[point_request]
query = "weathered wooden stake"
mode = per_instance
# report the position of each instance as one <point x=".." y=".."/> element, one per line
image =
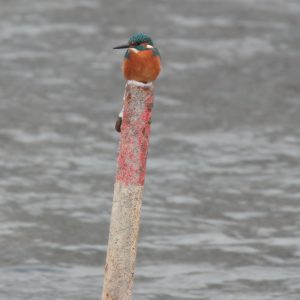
<point x="128" y="192"/>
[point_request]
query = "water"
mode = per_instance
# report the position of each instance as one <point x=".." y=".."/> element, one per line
<point x="221" y="207"/>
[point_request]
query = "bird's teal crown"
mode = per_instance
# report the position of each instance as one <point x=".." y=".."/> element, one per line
<point x="139" y="38"/>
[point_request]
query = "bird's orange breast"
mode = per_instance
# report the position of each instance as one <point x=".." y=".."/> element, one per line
<point x="141" y="66"/>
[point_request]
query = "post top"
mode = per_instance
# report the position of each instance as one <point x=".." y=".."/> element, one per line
<point x="138" y="83"/>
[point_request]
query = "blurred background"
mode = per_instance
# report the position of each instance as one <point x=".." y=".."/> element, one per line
<point x="220" y="217"/>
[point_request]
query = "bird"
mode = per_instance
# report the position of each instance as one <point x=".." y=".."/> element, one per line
<point x="141" y="63"/>
<point x="142" y="59"/>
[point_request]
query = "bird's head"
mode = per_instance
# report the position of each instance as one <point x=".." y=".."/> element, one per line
<point x="138" y="41"/>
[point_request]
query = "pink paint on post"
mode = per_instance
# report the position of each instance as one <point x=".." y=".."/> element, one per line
<point x="133" y="148"/>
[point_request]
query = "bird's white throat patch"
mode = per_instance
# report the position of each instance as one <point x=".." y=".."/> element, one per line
<point x="134" y="50"/>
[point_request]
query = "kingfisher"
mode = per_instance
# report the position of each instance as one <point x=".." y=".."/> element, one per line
<point x="141" y="62"/>
<point x="142" y="59"/>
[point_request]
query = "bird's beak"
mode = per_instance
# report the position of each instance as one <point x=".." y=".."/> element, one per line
<point x="121" y="47"/>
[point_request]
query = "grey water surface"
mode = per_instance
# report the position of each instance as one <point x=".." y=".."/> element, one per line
<point x="220" y="218"/>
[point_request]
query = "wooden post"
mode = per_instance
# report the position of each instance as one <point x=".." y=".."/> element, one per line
<point x="128" y="192"/>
